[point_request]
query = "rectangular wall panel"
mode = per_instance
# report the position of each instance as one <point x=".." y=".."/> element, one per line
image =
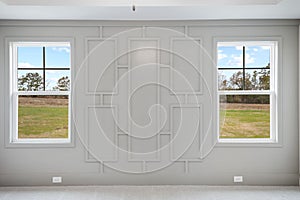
<point x="101" y="66"/>
<point x="186" y="58"/>
<point x="101" y="138"/>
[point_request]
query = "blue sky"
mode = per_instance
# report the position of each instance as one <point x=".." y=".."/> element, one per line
<point x="56" y="57"/>
<point x="59" y="57"/>
<point x="232" y="57"/>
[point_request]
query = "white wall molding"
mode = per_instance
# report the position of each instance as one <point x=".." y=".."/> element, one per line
<point x="137" y="23"/>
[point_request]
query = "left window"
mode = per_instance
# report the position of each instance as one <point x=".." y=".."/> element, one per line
<point x="40" y="92"/>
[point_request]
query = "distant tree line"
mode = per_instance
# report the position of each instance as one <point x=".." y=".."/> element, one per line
<point x="258" y="80"/>
<point x="34" y="82"/>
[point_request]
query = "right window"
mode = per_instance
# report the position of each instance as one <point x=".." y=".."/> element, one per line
<point x="247" y="91"/>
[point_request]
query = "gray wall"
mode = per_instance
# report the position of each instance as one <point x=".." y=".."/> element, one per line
<point x="204" y="161"/>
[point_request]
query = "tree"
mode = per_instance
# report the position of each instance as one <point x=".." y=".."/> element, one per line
<point x="237" y="82"/>
<point x="254" y="81"/>
<point x="63" y="84"/>
<point x="30" y="82"/>
<point x="264" y="78"/>
<point x="223" y="82"/>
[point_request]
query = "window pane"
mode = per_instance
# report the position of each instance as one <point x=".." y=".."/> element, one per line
<point x="30" y="57"/>
<point x="30" y="80"/>
<point x="43" y="117"/>
<point x="257" y="56"/>
<point x="230" y="57"/>
<point x="244" y="116"/>
<point x="58" y="80"/>
<point x="230" y="79"/>
<point x="58" y="57"/>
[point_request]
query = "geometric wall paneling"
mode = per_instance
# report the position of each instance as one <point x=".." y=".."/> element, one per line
<point x="107" y="99"/>
<point x="186" y="130"/>
<point x="164" y="154"/>
<point x="122" y="163"/>
<point x="144" y="149"/>
<point x="127" y="167"/>
<point x="121" y="99"/>
<point x="144" y="87"/>
<point x="164" y="34"/>
<point x="122" y="34"/>
<point x="143" y="51"/>
<point x="165" y="76"/>
<point x="101" y="140"/>
<point x="143" y="116"/>
<point x="166" y="100"/>
<point x="186" y="76"/>
<point x="101" y="65"/>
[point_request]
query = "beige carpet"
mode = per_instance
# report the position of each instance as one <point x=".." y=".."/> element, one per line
<point x="150" y="192"/>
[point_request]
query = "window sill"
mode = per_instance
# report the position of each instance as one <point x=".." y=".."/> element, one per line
<point x="41" y="143"/>
<point x="255" y="142"/>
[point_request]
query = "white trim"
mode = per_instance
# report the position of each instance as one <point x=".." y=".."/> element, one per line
<point x="246" y="140"/>
<point x="43" y="93"/>
<point x="245" y="92"/>
<point x="14" y="141"/>
<point x="41" y="141"/>
<point x="246" y="43"/>
<point x="273" y="43"/>
<point x="41" y="44"/>
<point x="108" y="23"/>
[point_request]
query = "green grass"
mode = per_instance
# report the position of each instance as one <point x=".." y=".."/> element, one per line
<point x="250" y="123"/>
<point x="51" y="120"/>
<point x="43" y="122"/>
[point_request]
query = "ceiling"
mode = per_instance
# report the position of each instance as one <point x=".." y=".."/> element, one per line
<point x="149" y="9"/>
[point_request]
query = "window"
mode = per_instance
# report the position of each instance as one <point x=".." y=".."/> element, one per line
<point x="40" y="91"/>
<point x="247" y="91"/>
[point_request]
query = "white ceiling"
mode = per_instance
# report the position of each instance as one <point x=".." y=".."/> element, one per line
<point x="149" y="9"/>
<point x="138" y="2"/>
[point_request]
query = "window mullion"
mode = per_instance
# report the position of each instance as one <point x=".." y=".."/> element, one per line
<point x="244" y="71"/>
<point x="44" y="68"/>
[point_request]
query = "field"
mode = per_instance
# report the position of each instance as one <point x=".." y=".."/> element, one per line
<point x="245" y="120"/>
<point x="48" y="118"/>
<point x="43" y="117"/>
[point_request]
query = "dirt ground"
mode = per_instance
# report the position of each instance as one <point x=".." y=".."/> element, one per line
<point x="240" y="106"/>
<point x="43" y="101"/>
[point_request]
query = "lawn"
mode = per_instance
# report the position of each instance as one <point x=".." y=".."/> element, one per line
<point x="43" y="120"/>
<point x="48" y="118"/>
<point x="245" y="121"/>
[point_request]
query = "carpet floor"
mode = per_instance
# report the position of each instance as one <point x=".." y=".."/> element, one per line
<point x="150" y="192"/>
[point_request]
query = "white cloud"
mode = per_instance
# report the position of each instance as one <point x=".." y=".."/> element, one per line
<point x="26" y="65"/>
<point x="249" y="59"/>
<point x="265" y="47"/>
<point x="55" y="72"/>
<point x="238" y="60"/>
<point x="52" y="80"/>
<point x="221" y="55"/>
<point x="240" y="48"/>
<point x="255" y="49"/>
<point x="61" y="49"/>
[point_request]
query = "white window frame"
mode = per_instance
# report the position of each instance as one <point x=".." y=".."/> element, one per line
<point x="274" y="57"/>
<point x="14" y="93"/>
